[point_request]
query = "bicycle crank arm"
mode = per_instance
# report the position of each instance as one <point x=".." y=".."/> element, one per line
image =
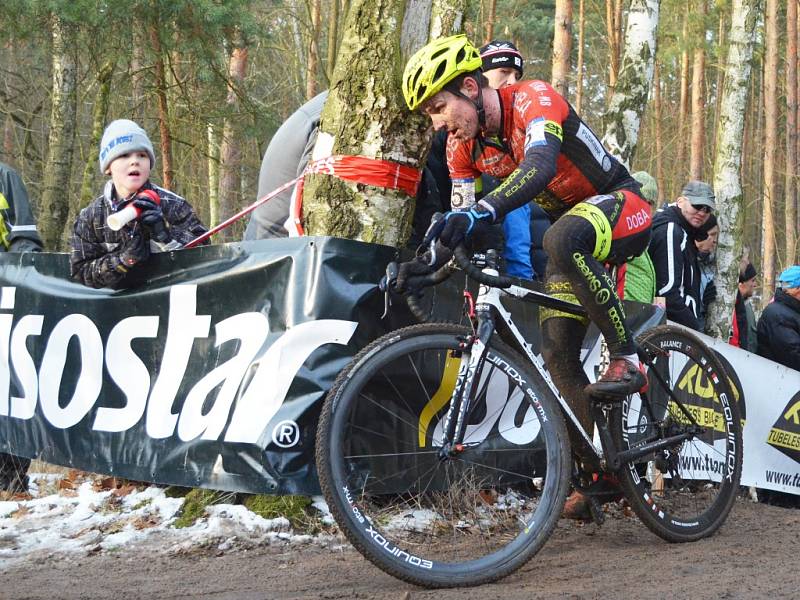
<point x="617" y="459"/>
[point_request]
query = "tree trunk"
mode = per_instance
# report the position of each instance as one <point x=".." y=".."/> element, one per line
<point x="99" y="114"/>
<point x="447" y="17"/>
<point x="727" y="163"/>
<point x="313" y="54"/>
<point x="624" y="114"/>
<point x="579" y="69"/>
<point x="137" y="76"/>
<point x="365" y="116"/>
<point x="659" y="133"/>
<point x="163" y="108"/>
<point x="770" y="141"/>
<point x="213" y="173"/>
<point x="562" y="47"/>
<point x="230" y="180"/>
<point x="721" y="41"/>
<point x="791" y="133"/>
<point x="333" y="39"/>
<point x="613" y="34"/>
<point x="58" y="164"/>
<point x="491" y="15"/>
<point x="683" y="111"/>
<point x="416" y="26"/>
<point x="697" y="146"/>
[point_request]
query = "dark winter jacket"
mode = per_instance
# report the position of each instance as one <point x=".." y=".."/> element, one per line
<point x="95" y="258"/>
<point x="779" y="331"/>
<point x="17" y="226"/>
<point x="674" y="255"/>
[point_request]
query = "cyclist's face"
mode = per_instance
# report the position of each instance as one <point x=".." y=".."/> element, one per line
<point x="500" y="78"/>
<point x="454" y="114"/>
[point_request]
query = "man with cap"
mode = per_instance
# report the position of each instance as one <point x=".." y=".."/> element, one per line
<point x="743" y="334"/>
<point x="672" y="249"/>
<point x="102" y="256"/>
<point x="502" y="63"/>
<point x="779" y="325"/>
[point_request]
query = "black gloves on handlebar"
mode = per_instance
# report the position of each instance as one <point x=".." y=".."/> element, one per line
<point x="457" y="227"/>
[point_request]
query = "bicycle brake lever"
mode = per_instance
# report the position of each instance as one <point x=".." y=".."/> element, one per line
<point x="387" y="283"/>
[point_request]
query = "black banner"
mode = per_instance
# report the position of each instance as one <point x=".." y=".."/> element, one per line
<point x="209" y="373"/>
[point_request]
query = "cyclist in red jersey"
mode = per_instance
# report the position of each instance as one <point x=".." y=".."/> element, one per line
<point x="531" y="137"/>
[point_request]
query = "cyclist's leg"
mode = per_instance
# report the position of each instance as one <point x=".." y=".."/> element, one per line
<point x="611" y="228"/>
<point x="562" y="335"/>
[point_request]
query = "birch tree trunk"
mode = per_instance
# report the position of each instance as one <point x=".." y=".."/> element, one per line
<point x="626" y="107"/>
<point x="727" y="163"/>
<point x="365" y="116"/>
<point x="447" y="17"/>
<point x="213" y="173"/>
<point x="698" y="137"/>
<point x="58" y="163"/>
<point x="791" y="132"/>
<point x="770" y="141"/>
<point x="562" y="47"/>
<point x="333" y="38"/>
<point x="230" y="180"/>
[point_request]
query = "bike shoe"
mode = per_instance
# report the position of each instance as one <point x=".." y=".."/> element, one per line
<point x="622" y="378"/>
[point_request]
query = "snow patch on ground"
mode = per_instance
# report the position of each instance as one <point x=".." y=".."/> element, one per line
<point x="88" y="521"/>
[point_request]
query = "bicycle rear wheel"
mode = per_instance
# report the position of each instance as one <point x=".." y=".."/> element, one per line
<point x="461" y="520"/>
<point x="683" y="493"/>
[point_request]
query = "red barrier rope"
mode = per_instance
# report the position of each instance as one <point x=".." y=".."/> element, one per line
<point x="361" y="169"/>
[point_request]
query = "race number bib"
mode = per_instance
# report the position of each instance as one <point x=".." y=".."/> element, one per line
<point x="463" y="195"/>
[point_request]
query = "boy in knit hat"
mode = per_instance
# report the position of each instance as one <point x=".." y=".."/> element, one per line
<point x="101" y="256"/>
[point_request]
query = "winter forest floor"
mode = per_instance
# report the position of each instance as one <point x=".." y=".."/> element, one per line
<point x="80" y="537"/>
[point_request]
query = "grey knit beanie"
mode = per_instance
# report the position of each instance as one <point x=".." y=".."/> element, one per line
<point x="123" y="137"/>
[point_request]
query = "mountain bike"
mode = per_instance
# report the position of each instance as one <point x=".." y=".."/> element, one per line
<point x="443" y="452"/>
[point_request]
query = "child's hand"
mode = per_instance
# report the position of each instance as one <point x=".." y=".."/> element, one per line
<point x="151" y="216"/>
<point x="134" y="251"/>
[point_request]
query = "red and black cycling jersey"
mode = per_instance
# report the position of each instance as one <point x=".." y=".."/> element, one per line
<point x="548" y="154"/>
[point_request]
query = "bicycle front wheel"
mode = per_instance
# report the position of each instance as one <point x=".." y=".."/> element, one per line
<point x="466" y="518"/>
<point x="685" y="492"/>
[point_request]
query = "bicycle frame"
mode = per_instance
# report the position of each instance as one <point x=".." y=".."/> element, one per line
<point x="488" y="308"/>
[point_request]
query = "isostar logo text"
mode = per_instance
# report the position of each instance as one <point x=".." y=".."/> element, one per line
<point x="239" y="395"/>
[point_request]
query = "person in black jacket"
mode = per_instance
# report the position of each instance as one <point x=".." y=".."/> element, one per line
<point x="101" y="256"/>
<point x="779" y="325"/>
<point x="674" y="253"/>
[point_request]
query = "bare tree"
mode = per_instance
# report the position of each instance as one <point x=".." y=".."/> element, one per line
<point x="58" y="164"/>
<point x="770" y="142"/>
<point x="683" y="108"/>
<point x="791" y="132"/>
<point x="491" y="15"/>
<point x="658" y="132"/>
<point x="164" y="129"/>
<point x="698" y="137"/>
<point x="614" y="35"/>
<point x="581" y="41"/>
<point x="231" y="151"/>
<point x="562" y="47"/>
<point x="727" y="162"/>
<point x="313" y="53"/>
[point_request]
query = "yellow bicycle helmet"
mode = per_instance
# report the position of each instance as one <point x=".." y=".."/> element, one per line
<point x="435" y="65"/>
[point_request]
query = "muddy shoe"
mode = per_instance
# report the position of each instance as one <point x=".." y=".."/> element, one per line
<point x="622" y="378"/>
<point x="577" y="507"/>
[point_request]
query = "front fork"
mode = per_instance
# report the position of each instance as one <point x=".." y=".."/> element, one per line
<point x="473" y="356"/>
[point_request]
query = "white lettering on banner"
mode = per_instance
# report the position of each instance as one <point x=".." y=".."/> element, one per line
<point x="5" y="374"/>
<point x="258" y="400"/>
<point x="183" y="326"/>
<point x="24" y="367"/>
<point x="251" y="330"/>
<point x="128" y="371"/>
<point x="90" y="381"/>
<point x="276" y="370"/>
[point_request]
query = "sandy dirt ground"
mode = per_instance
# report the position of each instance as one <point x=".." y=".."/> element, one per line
<point x="754" y="555"/>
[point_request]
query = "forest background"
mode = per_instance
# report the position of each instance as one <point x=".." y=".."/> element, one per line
<point x="211" y="80"/>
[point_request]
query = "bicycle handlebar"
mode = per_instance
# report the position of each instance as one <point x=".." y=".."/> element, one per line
<point x="463" y="260"/>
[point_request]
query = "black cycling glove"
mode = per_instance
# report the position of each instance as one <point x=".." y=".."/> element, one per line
<point x="134" y="251"/>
